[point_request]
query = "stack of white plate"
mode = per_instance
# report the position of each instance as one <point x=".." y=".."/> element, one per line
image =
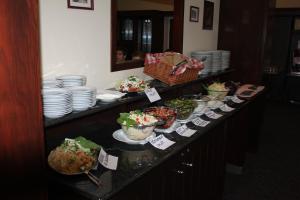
<point x="83" y="97"/>
<point x="216" y="61"/>
<point x="225" y="59"/>
<point x="57" y="102"/>
<point x="51" y="83"/>
<point x="72" y="80"/>
<point x="200" y="55"/>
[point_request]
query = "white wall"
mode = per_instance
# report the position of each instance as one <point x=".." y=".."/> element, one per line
<point x="194" y="37"/>
<point x="77" y="41"/>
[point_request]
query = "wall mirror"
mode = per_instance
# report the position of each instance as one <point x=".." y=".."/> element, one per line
<point x="144" y="26"/>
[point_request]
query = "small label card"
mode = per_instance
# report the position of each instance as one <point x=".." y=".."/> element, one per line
<point x="200" y="122"/>
<point x="185" y="131"/>
<point x="235" y="99"/>
<point x="226" y="108"/>
<point x="161" y="142"/>
<point x="211" y="114"/>
<point x="152" y="94"/>
<point x="108" y="161"/>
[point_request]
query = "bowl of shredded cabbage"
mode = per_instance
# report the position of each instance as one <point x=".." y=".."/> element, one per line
<point x="217" y="91"/>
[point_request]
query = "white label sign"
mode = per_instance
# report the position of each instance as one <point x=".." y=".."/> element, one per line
<point x="226" y="108"/>
<point x="185" y="131"/>
<point x="108" y="161"/>
<point x="152" y="94"/>
<point x="200" y="122"/>
<point x="181" y="129"/>
<point x="161" y="142"/>
<point x="211" y="114"/>
<point x="235" y="99"/>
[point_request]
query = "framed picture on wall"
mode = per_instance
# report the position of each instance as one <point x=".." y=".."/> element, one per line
<point x="81" y="4"/>
<point x="208" y="15"/>
<point x="194" y="14"/>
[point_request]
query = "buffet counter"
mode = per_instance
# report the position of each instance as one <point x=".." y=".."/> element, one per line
<point x="192" y="168"/>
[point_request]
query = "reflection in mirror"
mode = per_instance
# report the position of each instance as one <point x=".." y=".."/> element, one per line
<point x="143" y="26"/>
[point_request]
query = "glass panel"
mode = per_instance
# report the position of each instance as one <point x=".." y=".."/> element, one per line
<point x="147" y="35"/>
<point x="127" y="29"/>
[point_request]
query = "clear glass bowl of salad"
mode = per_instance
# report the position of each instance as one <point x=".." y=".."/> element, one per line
<point x="137" y="125"/>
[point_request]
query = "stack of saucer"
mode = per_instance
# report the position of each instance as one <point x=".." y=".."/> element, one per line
<point x="51" y="83"/>
<point x="72" y="80"/>
<point x="200" y="55"/>
<point x="83" y="97"/>
<point x="57" y="102"/>
<point x="216" y="61"/>
<point x="225" y="59"/>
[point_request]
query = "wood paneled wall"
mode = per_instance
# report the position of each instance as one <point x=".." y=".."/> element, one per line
<point x="21" y="126"/>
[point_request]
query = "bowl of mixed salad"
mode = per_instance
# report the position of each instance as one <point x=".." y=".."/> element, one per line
<point x="165" y="115"/>
<point x="184" y="107"/>
<point x="131" y="85"/>
<point x="137" y="125"/>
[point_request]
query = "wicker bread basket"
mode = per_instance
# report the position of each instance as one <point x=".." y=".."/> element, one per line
<point x="157" y="68"/>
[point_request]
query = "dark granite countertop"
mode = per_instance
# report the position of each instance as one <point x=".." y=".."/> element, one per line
<point x="134" y="160"/>
<point x="161" y="87"/>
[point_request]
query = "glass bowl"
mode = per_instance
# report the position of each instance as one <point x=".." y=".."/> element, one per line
<point x="138" y="132"/>
<point x="217" y="95"/>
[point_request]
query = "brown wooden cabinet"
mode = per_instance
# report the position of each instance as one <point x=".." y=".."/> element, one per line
<point x="242" y="30"/>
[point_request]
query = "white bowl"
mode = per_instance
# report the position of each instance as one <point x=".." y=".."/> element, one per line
<point x="107" y="97"/>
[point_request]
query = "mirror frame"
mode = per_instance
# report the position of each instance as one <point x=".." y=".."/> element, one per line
<point x="178" y="21"/>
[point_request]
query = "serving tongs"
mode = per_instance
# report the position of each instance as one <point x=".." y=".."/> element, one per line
<point x="93" y="178"/>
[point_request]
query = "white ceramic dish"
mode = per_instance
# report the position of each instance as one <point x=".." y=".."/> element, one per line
<point x="122" y="137"/>
<point x="107" y="97"/>
<point x="172" y="128"/>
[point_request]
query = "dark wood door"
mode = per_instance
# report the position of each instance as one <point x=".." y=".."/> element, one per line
<point x="21" y="127"/>
<point x="242" y="31"/>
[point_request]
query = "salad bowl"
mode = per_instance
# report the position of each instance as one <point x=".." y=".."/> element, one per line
<point x="137" y="125"/>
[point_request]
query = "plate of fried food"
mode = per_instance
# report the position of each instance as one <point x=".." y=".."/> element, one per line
<point x="75" y="156"/>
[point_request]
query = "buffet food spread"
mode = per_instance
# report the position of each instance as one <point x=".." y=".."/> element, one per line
<point x="139" y="127"/>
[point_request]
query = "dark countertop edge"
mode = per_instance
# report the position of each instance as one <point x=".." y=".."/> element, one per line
<point x="105" y="106"/>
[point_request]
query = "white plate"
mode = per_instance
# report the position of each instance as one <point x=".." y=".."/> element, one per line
<point x="53" y="115"/>
<point x="172" y="128"/>
<point x="121" y="136"/>
<point x="68" y="77"/>
<point x="200" y="110"/>
<point x="184" y="121"/>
